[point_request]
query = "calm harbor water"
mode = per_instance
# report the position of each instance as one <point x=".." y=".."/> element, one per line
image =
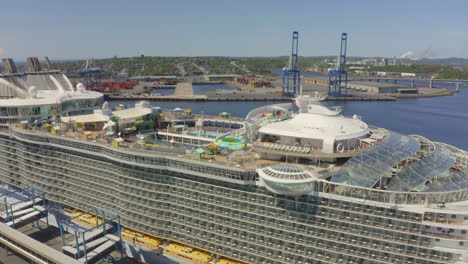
<point x="443" y="119"/>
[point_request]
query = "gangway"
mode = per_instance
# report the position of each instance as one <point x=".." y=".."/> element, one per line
<point x="95" y="243"/>
<point x="90" y="236"/>
<point x="19" y="209"/>
<point x="24" y="204"/>
<point x="102" y="251"/>
<point x="28" y="208"/>
<point x="36" y="214"/>
<point x="72" y="251"/>
<point x="17" y="213"/>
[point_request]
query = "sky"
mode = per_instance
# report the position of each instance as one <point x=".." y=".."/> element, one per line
<point x="104" y="28"/>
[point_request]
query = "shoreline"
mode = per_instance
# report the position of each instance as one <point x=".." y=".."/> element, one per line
<point x="264" y="97"/>
<point x="243" y="93"/>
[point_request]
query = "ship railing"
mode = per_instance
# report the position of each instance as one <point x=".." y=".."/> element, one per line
<point x="391" y="197"/>
<point x="303" y="149"/>
<point x="167" y="159"/>
<point x="329" y="238"/>
<point x="201" y="135"/>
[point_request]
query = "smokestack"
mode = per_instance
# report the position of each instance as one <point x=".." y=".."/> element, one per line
<point x="33" y="64"/>
<point x="9" y="65"/>
<point x="48" y="62"/>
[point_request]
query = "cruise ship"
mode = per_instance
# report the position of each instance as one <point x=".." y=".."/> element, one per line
<point x="289" y="183"/>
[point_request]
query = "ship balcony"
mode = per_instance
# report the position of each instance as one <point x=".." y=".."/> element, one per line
<point x="285" y="237"/>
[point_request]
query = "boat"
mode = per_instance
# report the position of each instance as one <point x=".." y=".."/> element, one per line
<point x="309" y="185"/>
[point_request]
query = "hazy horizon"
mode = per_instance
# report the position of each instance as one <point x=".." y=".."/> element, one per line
<point x="66" y="30"/>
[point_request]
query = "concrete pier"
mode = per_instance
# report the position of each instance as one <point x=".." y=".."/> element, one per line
<point x="183" y="89"/>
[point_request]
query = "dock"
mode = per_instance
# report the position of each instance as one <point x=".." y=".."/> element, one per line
<point x="183" y="89"/>
<point x="361" y="98"/>
<point x="184" y="92"/>
<point x="238" y="96"/>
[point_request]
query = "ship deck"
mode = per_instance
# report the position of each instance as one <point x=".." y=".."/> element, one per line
<point x="246" y="159"/>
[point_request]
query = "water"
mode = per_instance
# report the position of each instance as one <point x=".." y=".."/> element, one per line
<point x="443" y="119"/>
<point x="205" y="88"/>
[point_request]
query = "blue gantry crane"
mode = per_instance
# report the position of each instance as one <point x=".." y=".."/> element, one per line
<point x="92" y="75"/>
<point x="291" y="73"/>
<point x="338" y="77"/>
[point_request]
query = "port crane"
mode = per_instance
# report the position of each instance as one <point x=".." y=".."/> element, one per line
<point x="91" y="74"/>
<point x="291" y="72"/>
<point x="338" y="77"/>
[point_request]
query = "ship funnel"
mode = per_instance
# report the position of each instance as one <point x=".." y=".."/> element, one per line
<point x="34" y="65"/>
<point x="49" y="65"/>
<point x="9" y="65"/>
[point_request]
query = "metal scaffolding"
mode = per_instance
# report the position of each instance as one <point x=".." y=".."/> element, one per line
<point x="25" y="207"/>
<point x="96" y="242"/>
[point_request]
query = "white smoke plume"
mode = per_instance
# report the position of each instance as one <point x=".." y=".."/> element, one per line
<point x="417" y="54"/>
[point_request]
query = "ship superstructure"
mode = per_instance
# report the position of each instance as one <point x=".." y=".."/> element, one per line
<point x="290" y="183"/>
<point x="39" y="95"/>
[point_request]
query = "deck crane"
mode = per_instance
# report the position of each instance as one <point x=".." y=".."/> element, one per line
<point x="92" y="75"/>
<point x="338" y="77"/>
<point x="291" y="71"/>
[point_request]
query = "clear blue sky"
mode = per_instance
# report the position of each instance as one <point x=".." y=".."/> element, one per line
<point x="99" y="28"/>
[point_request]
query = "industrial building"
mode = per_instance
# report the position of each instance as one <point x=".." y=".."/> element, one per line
<point x="381" y="88"/>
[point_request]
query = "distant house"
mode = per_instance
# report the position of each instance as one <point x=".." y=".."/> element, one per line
<point x="388" y="74"/>
<point x="408" y="74"/>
